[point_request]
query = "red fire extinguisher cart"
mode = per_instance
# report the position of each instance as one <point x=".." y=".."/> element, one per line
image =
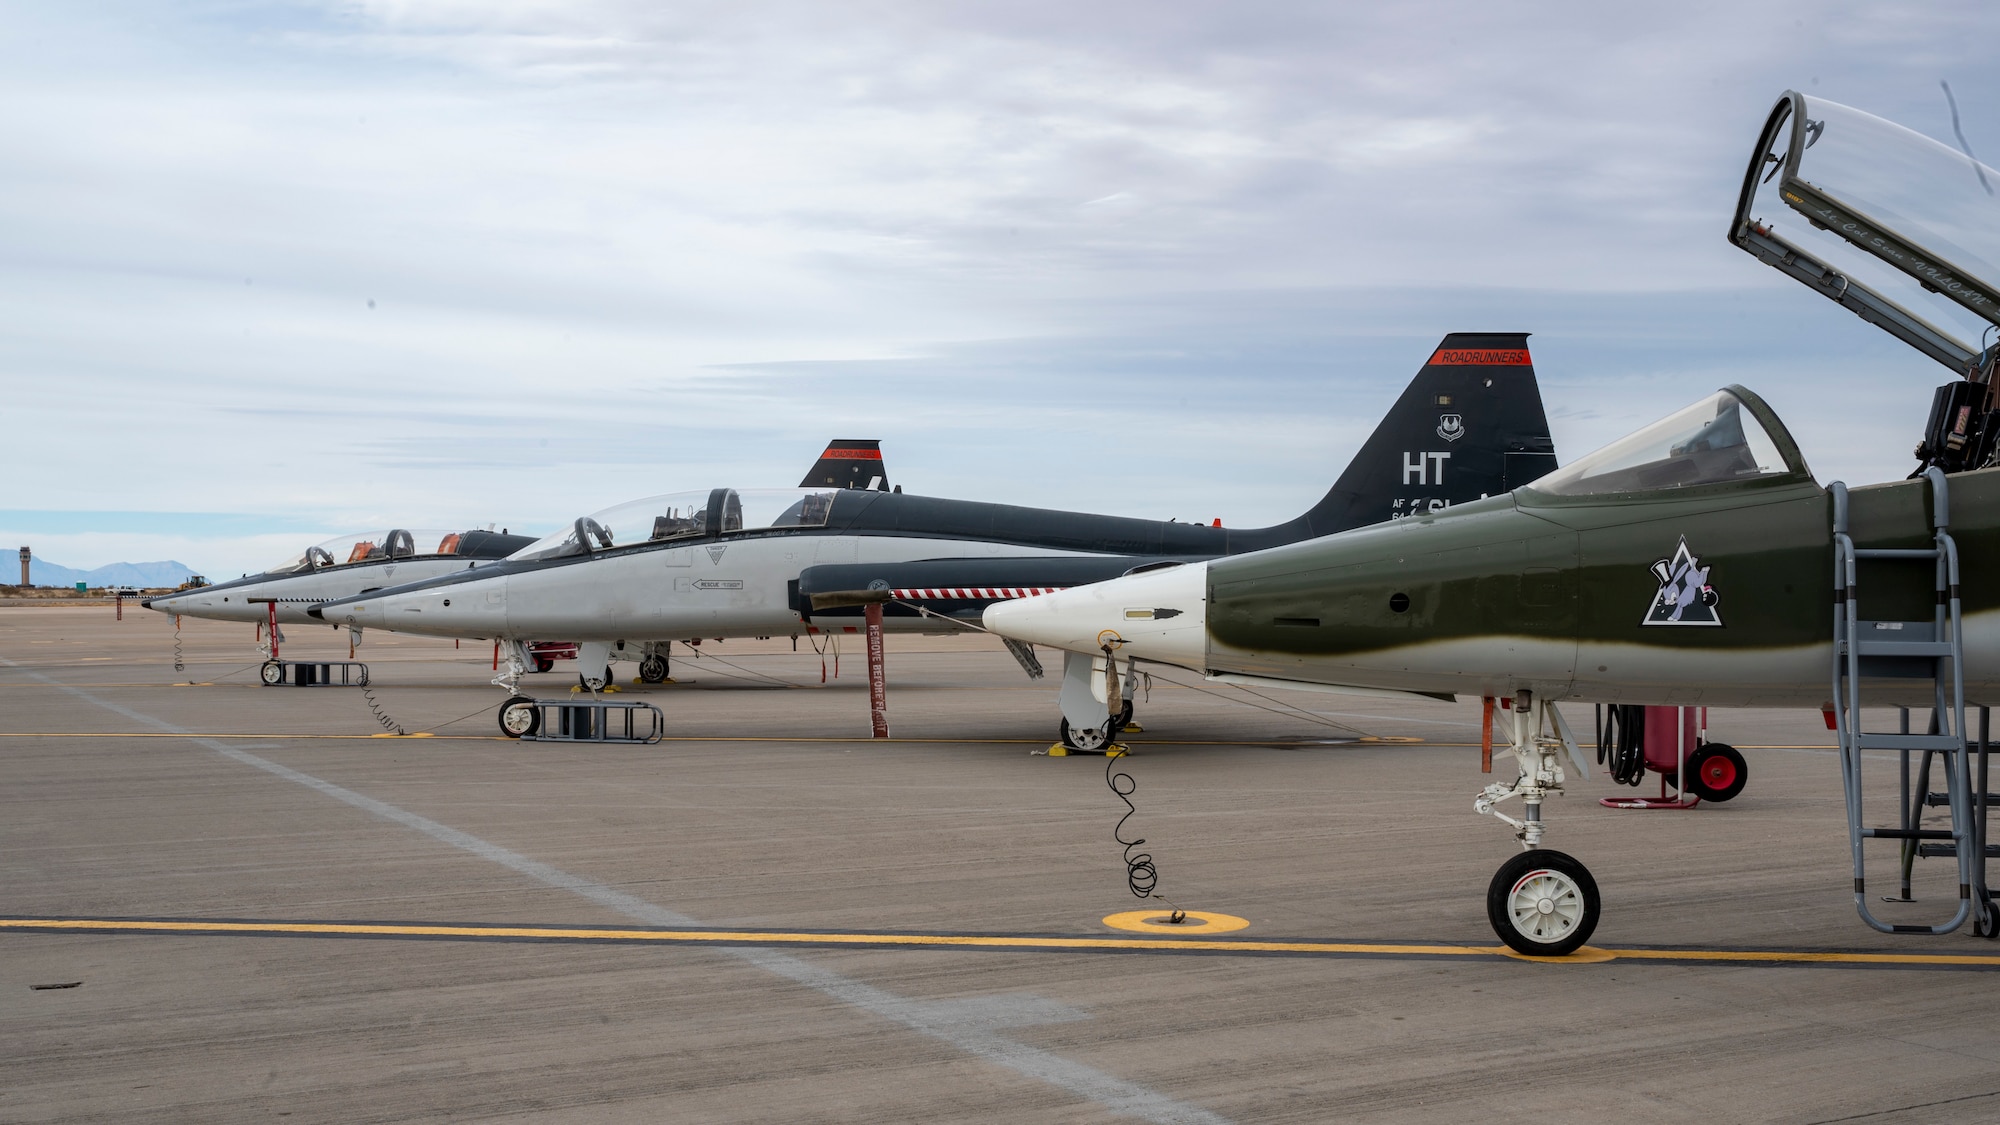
<point x="1673" y="743"/>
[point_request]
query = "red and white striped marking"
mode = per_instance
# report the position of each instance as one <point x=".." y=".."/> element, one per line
<point x="971" y="593"/>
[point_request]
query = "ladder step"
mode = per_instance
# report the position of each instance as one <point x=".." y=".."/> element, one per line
<point x="1950" y="851"/>
<point x="1906" y="833"/>
<point x="1908" y="741"/>
<point x="1903" y="648"/>
<point x="1943" y="800"/>
<point x="1895" y="552"/>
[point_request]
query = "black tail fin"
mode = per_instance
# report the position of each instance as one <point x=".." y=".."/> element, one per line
<point x="1469" y="425"/>
<point x="849" y="463"/>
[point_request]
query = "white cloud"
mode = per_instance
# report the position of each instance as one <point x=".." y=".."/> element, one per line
<point x="618" y="247"/>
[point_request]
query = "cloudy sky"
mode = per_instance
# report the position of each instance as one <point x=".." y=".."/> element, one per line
<point x="270" y="272"/>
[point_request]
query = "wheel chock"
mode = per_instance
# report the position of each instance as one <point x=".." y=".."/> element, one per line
<point x="1115" y="750"/>
<point x="1133" y="728"/>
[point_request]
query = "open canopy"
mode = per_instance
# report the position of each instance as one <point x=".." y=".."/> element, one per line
<point x="686" y="515"/>
<point x="1897" y="227"/>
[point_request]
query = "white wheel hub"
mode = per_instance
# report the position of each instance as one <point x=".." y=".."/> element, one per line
<point x="519" y="718"/>
<point x="1545" y="905"/>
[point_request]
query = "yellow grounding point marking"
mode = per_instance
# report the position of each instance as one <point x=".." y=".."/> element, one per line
<point x="1161" y="922"/>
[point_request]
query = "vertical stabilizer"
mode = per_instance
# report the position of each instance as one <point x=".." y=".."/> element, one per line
<point x="849" y="463"/>
<point x="1471" y="424"/>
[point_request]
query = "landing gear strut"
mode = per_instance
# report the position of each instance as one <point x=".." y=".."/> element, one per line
<point x="1541" y="903"/>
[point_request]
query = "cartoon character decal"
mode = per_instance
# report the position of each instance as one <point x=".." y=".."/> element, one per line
<point x="1684" y="597"/>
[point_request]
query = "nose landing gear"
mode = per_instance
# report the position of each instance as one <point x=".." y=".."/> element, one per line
<point x="1542" y="902"/>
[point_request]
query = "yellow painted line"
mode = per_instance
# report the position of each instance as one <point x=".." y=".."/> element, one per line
<point x="1590" y="955"/>
<point x="669" y="738"/>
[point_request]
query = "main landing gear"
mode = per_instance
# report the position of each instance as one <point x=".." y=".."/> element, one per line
<point x="1542" y="902"/>
<point x="653" y="669"/>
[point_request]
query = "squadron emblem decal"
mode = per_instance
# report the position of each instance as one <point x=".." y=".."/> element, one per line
<point x="1685" y="597"/>
<point x="1451" y="427"/>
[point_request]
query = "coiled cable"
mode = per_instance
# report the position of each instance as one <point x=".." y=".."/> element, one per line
<point x="179" y="664"/>
<point x="388" y="724"/>
<point x="1142" y="875"/>
<point x="1621" y="746"/>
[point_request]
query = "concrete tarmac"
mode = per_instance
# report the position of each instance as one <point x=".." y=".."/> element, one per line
<point x="469" y="894"/>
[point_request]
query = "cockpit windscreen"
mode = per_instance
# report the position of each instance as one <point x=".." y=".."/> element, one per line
<point x="1714" y="441"/>
<point x="371" y="546"/>
<point x="686" y="515"/>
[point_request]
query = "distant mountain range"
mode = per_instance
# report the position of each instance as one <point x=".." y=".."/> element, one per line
<point x="141" y="575"/>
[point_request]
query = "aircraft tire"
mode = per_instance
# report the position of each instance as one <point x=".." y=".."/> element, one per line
<point x="1085" y="740"/>
<point x="272" y="672"/>
<point x="519" y="717"/>
<point x="1716" y="772"/>
<point x="1543" y="903"/>
<point x="1125" y="715"/>
<point x="545" y="663"/>
<point x="653" y="670"/>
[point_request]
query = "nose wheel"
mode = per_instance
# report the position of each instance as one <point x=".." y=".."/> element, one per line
<point x="1093" y="739"/>
<point x="1543" y="903"/>
<point x="519" y="717"/>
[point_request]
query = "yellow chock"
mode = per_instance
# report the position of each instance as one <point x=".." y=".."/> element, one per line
<point x="1133" y="728"/>
<point x="1058" y="750"/>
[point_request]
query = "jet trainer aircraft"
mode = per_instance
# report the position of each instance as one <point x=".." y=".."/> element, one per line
<point x="724" y="562"/>
<point x="349" y="565"/>
<point x="339" y="568"/>
<point x="1694" y="561"/>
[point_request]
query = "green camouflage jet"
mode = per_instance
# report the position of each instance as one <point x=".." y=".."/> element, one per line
<point x="1696" y="561"/>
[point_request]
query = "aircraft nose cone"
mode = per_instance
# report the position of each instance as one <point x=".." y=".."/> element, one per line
<point x="1159" y="615"/>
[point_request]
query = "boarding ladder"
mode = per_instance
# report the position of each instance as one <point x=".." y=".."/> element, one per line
<point x="1906" y="650"/>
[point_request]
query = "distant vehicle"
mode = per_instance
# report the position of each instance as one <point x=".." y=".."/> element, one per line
<point x="194" y="582"/>
<point x="121" y="592"/>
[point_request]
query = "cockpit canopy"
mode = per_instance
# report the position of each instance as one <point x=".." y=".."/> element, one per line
<point x="1900" y="228"/>
<point x="1718" y="440"/>
<point x="375" y="546"/>
<point x="686" y="515"/>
